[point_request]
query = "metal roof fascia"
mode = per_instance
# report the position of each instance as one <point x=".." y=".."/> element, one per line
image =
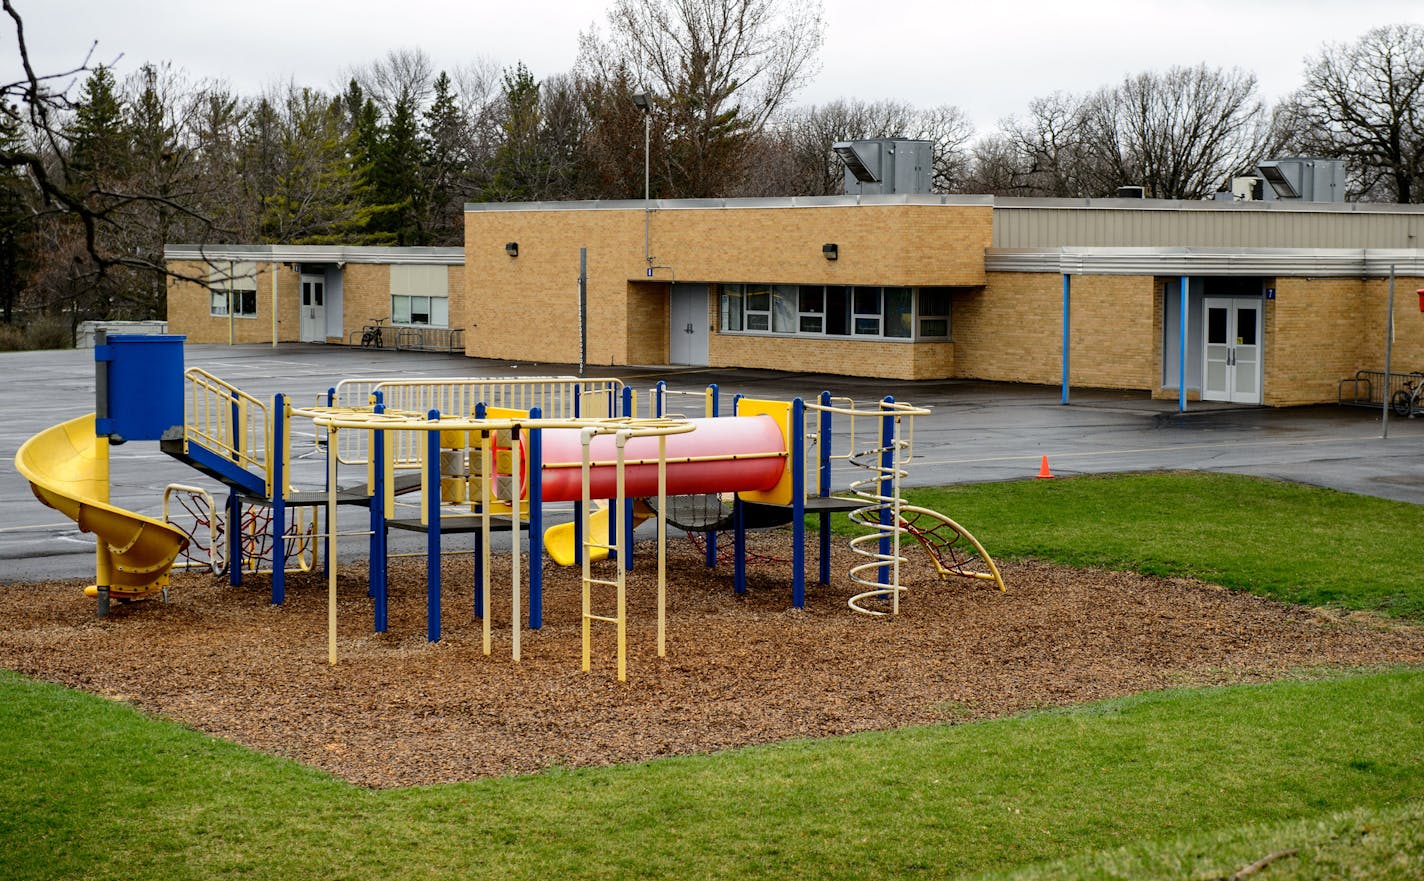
<point x="318" y="254"/>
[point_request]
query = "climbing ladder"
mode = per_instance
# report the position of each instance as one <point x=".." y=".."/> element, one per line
<point x="951" y="548"/>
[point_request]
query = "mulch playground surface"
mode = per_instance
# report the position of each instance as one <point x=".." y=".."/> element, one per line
<point x="399" y="711"/>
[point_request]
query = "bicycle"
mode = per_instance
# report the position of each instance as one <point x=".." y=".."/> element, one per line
<point x="371" y="334"/>
<point x="1405" y="401"/>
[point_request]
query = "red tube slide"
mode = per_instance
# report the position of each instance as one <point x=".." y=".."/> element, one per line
<point x="730" y="454"/>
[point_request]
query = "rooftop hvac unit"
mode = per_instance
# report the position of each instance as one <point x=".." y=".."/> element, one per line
<point x="885" y="165"/>
<point x="1309" y="180"/>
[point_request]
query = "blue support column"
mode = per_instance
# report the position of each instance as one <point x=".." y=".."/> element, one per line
<point x="887" y="486"/>
<point x="1067" y="332"/>
<point x="626" y="515"/>
<point x="234" y="538"/>
<point x="798" y="503"/>
<point x="823" y="489"/>
<point x="712" y="533"/>
<point x="1182" y="349"/>
<point x="536" y="522"/>
<point x="234" y="504"/>
<point x="279" y="498"/>
<point x="739" y="531"/>
<point x="379" y="571"/>
<point x="660" y="398"/>
<point x="432" y="533"/>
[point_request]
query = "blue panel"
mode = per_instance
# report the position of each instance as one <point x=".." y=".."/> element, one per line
<point x="144" y="387"/>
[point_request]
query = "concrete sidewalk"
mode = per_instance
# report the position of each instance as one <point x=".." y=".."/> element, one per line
<point x="977" y="431"/>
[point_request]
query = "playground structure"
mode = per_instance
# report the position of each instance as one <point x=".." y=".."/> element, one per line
<point x="479" y="456"/>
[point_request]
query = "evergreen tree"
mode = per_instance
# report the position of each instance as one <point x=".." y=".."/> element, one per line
<point x="99" y="148"/>
<point x="398" y="188"/>
<point x="445" y="165"/>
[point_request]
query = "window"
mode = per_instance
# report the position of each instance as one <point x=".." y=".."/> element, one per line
<point x="420" y="295"/>
<point x="836" y="310"/>
<point x="812" y="309"/>
<point x="758" y="307"/>
<point x="934" y="312"/>
<point x="899" y="323"/>
<point x="784" y="299"/>
<point x="732" y="295"/>
<point x="867" y="311"/>
<point x="232" y="287"/>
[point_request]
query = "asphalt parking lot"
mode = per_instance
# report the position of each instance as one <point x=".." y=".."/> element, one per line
<point x="976" y="432"/>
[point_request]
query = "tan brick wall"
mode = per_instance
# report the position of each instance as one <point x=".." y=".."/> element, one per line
<point x="1408" y="348"/>
<point x="1314" y="335"/>
<point x="1011" y="329"/>
<point x="891" y="360"/>
<point x="365" y="293"/>
<point x="189" y="308"/>
<point x="527" y="306"/>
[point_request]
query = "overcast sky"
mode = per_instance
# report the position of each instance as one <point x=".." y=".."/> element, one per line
<point x="989" y="57"/>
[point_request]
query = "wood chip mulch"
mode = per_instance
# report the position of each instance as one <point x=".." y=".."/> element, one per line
<point x="399" y="711"/>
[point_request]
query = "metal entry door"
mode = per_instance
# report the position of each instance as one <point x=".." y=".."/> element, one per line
<point x="687" y="325"/>
<point x="313" y="321"/>
<point x="1232" y="368"/>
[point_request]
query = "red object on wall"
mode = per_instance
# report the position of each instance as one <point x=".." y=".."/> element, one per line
<point x="1420" y="292"/>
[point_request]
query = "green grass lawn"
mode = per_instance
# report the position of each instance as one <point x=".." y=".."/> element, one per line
<point x="1295" y="543"/>
<point x="95" y="790"/>
<point x="1180" y="784"/>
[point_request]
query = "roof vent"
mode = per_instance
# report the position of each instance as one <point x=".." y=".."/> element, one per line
<point x="885" y="165"/>
<point x="1309" y="180"/>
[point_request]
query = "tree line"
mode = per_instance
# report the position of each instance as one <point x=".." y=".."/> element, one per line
<point x="99" y="171"/>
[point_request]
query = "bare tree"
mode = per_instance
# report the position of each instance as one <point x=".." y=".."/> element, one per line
<point x="1179" y="134"/>
<point x="403" y="76"/>
<point x="720" y="69"/>
<point x="1364" y="102"/>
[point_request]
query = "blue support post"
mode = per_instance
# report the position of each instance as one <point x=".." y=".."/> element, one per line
<point x="1182" y="350"/>
<point x="234" y="538"/>
<point x="823" y="489"/>
<point x="739" y="531"/>
<point x="536" y="522"/>
<point x="378" y="563"/>
<point x="626" y="515"/>
<point x="279" y="498"/>
<point x="798" y="502"/>
<point x="479" y="534"/>
<point x="234" y="504"/>
<point x="660" y="398"/>
<point x="887" y="485"/>
<point x="432" y="533"/>
<point x="712" y="533"/>
<point x="1067" y="332"/>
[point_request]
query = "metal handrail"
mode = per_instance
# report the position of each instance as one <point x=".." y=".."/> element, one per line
<point x="228" y="421"/>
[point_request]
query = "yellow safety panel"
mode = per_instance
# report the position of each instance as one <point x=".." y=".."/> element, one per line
<point x="781" y="412"/>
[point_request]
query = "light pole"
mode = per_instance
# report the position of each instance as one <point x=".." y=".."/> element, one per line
<point x="644" y="103"/>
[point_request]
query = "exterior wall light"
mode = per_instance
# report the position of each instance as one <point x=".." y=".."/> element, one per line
<point x="831" y="251"/>
<point x="511" y="248"/>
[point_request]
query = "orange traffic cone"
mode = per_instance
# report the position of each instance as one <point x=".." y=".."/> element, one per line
<point x="1043" y="472"/>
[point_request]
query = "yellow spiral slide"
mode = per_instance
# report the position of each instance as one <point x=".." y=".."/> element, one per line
<point x="68" y="469"/>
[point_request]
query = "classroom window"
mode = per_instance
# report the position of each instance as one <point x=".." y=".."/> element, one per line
<point x="866" y="315"/>
<point x="934" y="313"/>
<point x="811" y="309"/>
<point x="898" y="313"/>
<point x="420" y="295"/>
<point x="232" y="288"/>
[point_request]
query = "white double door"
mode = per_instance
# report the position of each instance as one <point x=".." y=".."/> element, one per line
<point x="1232" y="370"/>
<point x="313" y="320"/>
